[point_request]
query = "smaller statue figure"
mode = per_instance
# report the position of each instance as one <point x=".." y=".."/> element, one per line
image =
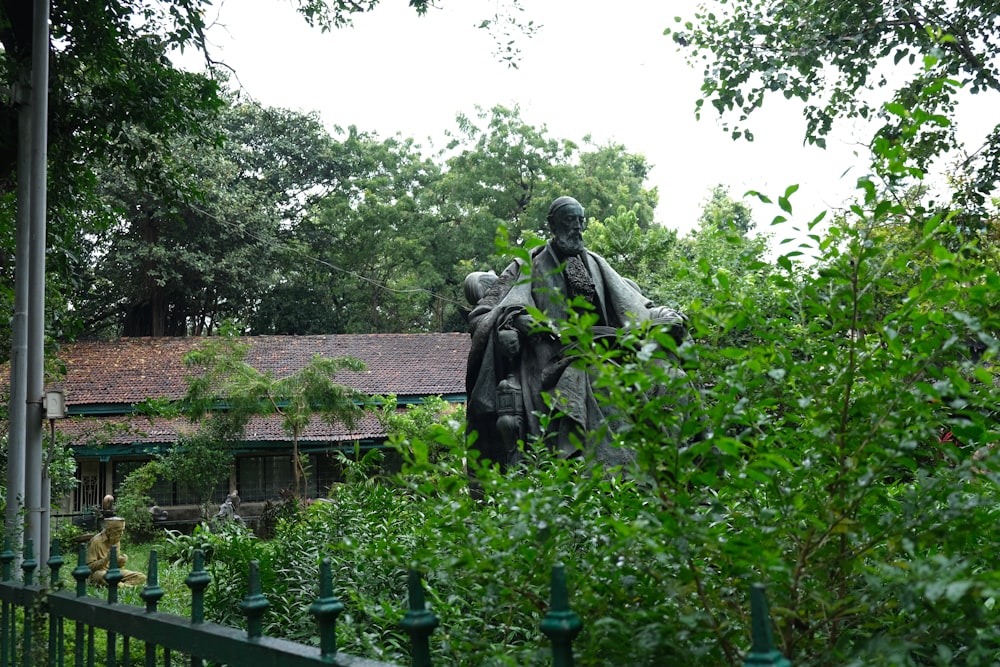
<point x="227" y="510"/>
<point x="234" y="498"/>
<point x="99" y="554"/>
<point x="107" y="510"/>
<point x="510" y="423"/>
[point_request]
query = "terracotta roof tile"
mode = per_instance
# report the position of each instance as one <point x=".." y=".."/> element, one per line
<point x="130" y="430"/>
<point x="130" y="370"/>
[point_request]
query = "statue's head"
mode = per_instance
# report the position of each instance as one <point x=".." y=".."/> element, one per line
<point x="566" y="222"/>
<point x="477" y="284"/>
<point x="113" y="528"/>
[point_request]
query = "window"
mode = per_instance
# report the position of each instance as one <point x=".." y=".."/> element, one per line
<point x="326" y="470"/>
<point x="165" y="492"/>
<point x="263" y="477"/>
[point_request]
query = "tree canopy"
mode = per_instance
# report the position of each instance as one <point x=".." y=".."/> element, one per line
<point x="194" y="230"/>
<point x="286" y="227"/>
<point x="849" y="61"/>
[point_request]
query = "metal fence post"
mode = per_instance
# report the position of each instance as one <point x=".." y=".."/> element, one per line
<point x="561" y="624"/>
<point x="55" y="562"/>
<point x="198" y="581"/>
<point x="419" y="622"/>
<point x="81" y="573"/>
<point x="113" y="577"/>
<point x="28" y="566"/>
<point x="762" y="650"/>
<point x="7" y="613"/>
<point x="151" y="591"/>
<point x="326" y="609"/>
<point x="254" y="604"/>
<point x="151" y="594"/>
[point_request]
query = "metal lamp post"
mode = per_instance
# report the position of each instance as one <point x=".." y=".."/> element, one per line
<point x="55" y="408"/>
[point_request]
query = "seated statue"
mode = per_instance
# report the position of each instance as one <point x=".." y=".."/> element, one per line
<point x="99" y="554"/>
<point x="228" y="508"/>
<point x="513" y="363"/>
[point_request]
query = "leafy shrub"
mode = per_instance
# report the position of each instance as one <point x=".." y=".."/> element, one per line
<point x="199" y="461"/>
<point x="68" y="536"/>
<point x="273" y="514"/>
<point x="133" y="500"/>
<point x="179" y="547"/>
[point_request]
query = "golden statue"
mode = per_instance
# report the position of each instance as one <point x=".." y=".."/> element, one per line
<point x="99" y="552"/>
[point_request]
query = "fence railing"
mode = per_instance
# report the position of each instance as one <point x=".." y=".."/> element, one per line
<point x="40" y="624"/>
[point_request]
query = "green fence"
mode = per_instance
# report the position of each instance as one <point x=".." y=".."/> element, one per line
<point x="41" y="624"/>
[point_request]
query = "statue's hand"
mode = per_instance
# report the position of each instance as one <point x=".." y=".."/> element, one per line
<point x="122" y="559"/>
<point x="527" y="326"/>
<point x="524" y="324"/>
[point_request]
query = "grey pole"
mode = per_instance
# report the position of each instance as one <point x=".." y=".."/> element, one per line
<point x="19" y="349"/>
<point x="36" y="284"/>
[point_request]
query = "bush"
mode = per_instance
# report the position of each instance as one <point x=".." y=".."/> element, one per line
<point x="133" y="501"/>
<point x="69" y="537"/>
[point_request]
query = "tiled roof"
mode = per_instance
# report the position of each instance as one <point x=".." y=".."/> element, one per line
<point x="133" y="430"/>
<point x="130" y="370"/>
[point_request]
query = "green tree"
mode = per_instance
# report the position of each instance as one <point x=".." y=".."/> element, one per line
<point x="635" y="252"/>
<point x="356" y="261"/>
<point x="720" y="211"/>
<point x="503" y="172"/>
<point x="109" y="74"/>
<point x="234" y="391"/>
<point x="194" y="230"/>
<point x="199" y="463"/>
<point x="607" y="177"/>
<point x="510" y="171"/>
<point x="116" y="100"/>
<point x="719" y="252"/>
<point x="133" y="500"/>
<point x="388" y="250"/>
<point x="846" y="60"/>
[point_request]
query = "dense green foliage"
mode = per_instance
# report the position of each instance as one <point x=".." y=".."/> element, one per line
<point x="388" y="249"/>
<point x="812" y="457"/>
<point x="285" y="227"/>
<point x="195" y="228"/>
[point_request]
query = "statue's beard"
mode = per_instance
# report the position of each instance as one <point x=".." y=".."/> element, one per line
<point x="568" y="246"/>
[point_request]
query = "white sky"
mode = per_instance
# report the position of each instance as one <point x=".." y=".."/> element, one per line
<point x="591" y="69"/>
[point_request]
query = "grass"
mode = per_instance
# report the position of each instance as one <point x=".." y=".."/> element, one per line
<point x="176" y="598"/>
